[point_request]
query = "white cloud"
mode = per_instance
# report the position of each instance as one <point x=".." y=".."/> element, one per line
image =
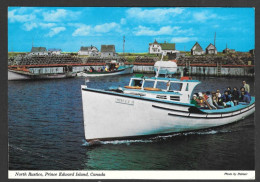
<point x="204" y="16"/>
<point x="47" y="25"/>
<point x="123" y="21"/>
<point x="13" y="16"/>
<point x="153" y="15"/>
<point x="166" y="30"/>
<point x="183" y="39"/>
<point x="106" y="27"/>
<point x="29" y="26"/>
<point x="59" y="15"/>
<point x="55" y="31"/>
<point x="83" y="30"/>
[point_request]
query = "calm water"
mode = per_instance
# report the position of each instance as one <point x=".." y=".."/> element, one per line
<point x="46" y="133"/>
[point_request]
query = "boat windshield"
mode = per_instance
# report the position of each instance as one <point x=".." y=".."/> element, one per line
<point x="175" y="86"/>
<point x="149" y="83"/>
<point x="161" y="85"/>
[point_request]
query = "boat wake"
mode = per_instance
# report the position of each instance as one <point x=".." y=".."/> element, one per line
<point x="154" y="139"/>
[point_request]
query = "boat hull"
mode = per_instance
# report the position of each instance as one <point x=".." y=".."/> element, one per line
<point x="19" y="75"/>
<point x="12" y="75"/>
<point x="127" y="70"/>
<point x="110" y="116"/>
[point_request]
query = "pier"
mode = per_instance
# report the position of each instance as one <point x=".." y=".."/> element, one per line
<point x="237" y="64"/>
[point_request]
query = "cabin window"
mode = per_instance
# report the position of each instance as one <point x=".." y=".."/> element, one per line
<point x="137" y="83"/>
<point x="161" y="85"/>
<point x="175" y="86"/>
<point x="148" y="83"/>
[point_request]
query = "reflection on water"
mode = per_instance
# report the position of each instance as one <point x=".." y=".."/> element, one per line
<point x="46" y="133"/>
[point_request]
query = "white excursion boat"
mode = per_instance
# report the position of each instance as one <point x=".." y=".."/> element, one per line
<point x="151" y="106"/>
<point x="112" y="68"/>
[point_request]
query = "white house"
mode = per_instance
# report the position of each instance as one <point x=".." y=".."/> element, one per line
<point x="54" y="51"/>
<point x="38" y="51"/>
<point x="108" y="51"/>
<point x="159" y="48"/>
<point x="88" y="51"/>
<point x="197" y="49"/>
<point x="211" y="49"/>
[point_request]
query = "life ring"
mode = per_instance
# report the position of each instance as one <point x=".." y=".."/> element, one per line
<point x="152" y="89"/>
<point x="133" y="87"/>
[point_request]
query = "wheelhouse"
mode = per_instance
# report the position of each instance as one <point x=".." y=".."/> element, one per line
<point x="163" y="88"/>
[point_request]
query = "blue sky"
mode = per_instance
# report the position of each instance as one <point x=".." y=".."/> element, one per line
<point x="73" y="27"/>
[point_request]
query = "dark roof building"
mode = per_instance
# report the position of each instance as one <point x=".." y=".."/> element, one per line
<point x="54" y="49"/>
<point x="211" y="49"/>
<point x="108" y="48"/>
<point x="89" y="50"/>
<point x="108" y="51"/>
<point x="227" y="50"/>
<point x="38" y="49"/>
<point x="197" y="49"/>
<point x="165" y="48"/>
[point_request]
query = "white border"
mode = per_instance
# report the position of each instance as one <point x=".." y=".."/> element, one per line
<point x="111" y="174"/>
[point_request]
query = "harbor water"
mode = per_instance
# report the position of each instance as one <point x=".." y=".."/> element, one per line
<point x="45" y="122"/>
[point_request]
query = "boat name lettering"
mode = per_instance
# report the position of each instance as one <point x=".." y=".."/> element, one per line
<point x="124" y="101"/>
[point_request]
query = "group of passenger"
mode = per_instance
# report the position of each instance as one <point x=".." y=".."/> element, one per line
<point x="216" y="100"/>
<point x="106" y="68"/>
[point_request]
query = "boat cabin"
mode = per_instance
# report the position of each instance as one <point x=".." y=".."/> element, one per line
<point x="162" y="88"/>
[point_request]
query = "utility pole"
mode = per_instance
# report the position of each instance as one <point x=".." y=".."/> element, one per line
<point x="215" y="40"/>
<point x="123" y="45"/>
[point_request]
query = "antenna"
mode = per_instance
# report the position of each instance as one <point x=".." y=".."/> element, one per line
<point x="123" y="45"/>
<point x="215" y="40"/>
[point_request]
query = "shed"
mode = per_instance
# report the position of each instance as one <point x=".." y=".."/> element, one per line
<point x="197" y="49"/>
<point x="108" y="51"/>
<point x="211" y="49"/>
<point x="89" y="51"/>
<point x="38" y="51"/>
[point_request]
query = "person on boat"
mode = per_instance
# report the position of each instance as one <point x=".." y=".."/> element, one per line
<point x="227" y="101"/>
<point x="203" y="101"/>
<point x="235" y="96"/>
<point x="244" y="98"/>
<point x="106" y="69"/>
<point x="209" y="100"/>
<point x="195" y="101"/>
<point x="246" y="86"/>
<point x="229" y="90"/>
<point x="117" y="66"/>
<point x="92" y="69"/>
<point x="242" y="89"/>
<point x="215" y="102"/>
<point x="200" y="100"/>
<point x="218" y="94"/>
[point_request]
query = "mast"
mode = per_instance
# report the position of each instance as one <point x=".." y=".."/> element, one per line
<point x="215" y="40"/>
<point x="123" y="45"/>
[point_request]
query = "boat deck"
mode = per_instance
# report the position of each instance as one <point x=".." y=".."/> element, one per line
<point x="230" y="109"/>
